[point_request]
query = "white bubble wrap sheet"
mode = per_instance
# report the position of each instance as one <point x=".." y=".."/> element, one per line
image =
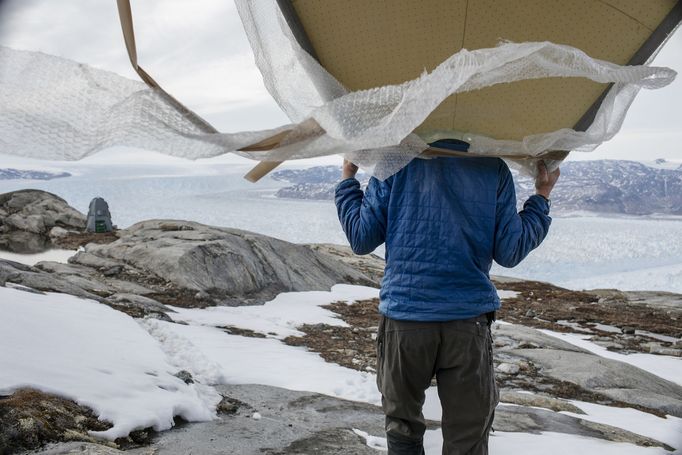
<point x="54" y="108"/>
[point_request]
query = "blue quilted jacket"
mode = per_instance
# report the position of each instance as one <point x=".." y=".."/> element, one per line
<point x="444" y="221"/>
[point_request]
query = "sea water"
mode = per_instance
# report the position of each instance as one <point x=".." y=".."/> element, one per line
<point x="580" y="252"/>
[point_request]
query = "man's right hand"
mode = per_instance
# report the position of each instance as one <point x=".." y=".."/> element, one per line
<point x="349" y="170"/>
<point x="545" y="181"/>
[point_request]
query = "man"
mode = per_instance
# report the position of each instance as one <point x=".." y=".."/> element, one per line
<point x="444" y="220"/>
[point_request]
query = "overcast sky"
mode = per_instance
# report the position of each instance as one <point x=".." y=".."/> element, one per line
<point x="198" y="51"/>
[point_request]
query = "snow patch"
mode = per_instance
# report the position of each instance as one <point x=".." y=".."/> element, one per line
<point x="506" y="294"/>
<point x="268" y="361"/>
<point x="99" y="357"/>
<point x="374" y="442"/>
<point x="280" y="316"/>
<point x="667" y="430"/>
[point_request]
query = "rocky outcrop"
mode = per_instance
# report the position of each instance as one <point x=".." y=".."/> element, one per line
<point x="182" y="263"/>
<point x="204" y="265"/>
<point x="32" y="220"/>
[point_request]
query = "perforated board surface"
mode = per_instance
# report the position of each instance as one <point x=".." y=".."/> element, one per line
<point x="366" y="44"/>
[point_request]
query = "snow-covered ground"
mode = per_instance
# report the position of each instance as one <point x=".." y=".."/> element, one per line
<point x="123" y="368"/>
<point x="97" y="356"/>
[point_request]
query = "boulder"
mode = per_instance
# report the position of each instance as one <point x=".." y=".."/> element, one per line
<point x="229" y="266"/>
<point x="35" y="214"/>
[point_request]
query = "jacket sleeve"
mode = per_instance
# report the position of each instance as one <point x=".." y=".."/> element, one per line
<point x="363" y="215"/>
<point x="516" y="234"/>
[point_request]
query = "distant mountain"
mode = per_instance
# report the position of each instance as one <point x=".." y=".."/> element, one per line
<point x="15" y="174"/>
<point x="602" y="186"/>
<point x="313" y="183"/>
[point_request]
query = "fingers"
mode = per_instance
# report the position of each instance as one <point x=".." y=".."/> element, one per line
<point x="543" y="175"/>
<point x="349" y="169"/>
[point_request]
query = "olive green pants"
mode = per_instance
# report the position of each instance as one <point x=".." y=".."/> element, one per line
<point x="459" y="354"/>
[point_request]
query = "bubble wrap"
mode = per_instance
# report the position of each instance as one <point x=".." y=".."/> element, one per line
<point x="54" y="108"/>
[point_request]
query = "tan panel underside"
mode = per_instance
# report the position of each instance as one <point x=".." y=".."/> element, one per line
<point x="370" y="43"/>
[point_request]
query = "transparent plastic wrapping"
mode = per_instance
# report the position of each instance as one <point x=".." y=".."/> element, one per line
<point x="53" y="108"/>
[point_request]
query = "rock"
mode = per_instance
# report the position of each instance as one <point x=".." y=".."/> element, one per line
<point x="94" y="278"/>
<point x="23" y="242"/>
<point x="616" y="380"/>
<point x="58" y="232"/>
<point x="538" y="401"/>
<point x="231" y="266"/>
<point x="610" y="345"/>
<point x="84" y="448"/>
<point x="139" y="306"/>
<point x="532" y="420"/>
<point x="628" y="330"/>
<point x="661" y="350"/>
<point x="113" y="270"/>
<point x="36" y="214"/>
<point x="514" y="335"/>
<point x="508" y="368"/>
<point x="229" y="405"/>
<point x="35" y="278"/>
<point x="30" y="418"/>
<point x="185" y="376"/>
<point x="292" y="423"/>
<point x="370" y="265"/>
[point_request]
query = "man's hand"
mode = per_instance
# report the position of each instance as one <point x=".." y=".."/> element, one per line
<point x="349" y="170"/>
<point x="545" y="181"/>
